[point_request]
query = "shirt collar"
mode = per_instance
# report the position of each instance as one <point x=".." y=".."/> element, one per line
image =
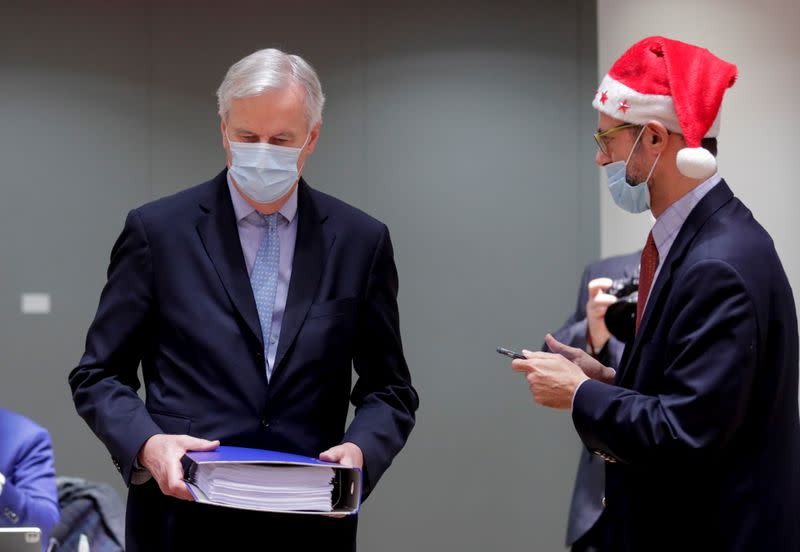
<point x="243" y="210"/>
<point x="671" y="220"/>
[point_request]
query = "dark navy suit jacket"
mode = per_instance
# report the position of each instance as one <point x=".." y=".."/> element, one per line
<point x="701" y="429"/>
<point x="587" y="495"/>
<point x="29" y="497"/>
<point x="178" y="299"/>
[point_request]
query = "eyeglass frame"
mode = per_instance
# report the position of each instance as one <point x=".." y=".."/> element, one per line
<point x="599" y="136"/>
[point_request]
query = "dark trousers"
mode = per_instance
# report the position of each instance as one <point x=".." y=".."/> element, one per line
<point x="156" y="523"/>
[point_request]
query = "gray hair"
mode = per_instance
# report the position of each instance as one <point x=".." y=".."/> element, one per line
<point x="271" y="69"/>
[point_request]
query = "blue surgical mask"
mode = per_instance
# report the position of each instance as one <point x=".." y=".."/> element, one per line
<point x="636" y="198"/>
<point x="264" y="172"/>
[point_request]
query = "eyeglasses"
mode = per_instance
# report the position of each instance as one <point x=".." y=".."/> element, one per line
<point x="599" y="137"/>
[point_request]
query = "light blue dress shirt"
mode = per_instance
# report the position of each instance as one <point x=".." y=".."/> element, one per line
<point x="252" y="227"/>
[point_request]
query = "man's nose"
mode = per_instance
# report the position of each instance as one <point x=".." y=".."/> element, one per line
<point x="601" y="158"/>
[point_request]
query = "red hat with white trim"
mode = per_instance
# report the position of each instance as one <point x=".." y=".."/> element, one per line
<point x="675" y="83"/>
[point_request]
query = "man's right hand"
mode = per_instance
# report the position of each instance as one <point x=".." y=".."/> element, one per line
<point x="596" y="308"/>
<point x="161" y="456"/>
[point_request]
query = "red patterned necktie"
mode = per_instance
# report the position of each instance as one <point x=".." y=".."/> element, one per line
<point x="647" y="270"/>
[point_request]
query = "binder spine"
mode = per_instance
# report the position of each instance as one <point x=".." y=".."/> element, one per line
<point x="189" y="469"/>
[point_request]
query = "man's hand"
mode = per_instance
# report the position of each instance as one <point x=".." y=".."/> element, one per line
<point x="161" y="456"/>
<point x="590" y="366"/>
<point x="596" y="308"/>
<point x="346" y="454"/>
<point x="552" y="378"/>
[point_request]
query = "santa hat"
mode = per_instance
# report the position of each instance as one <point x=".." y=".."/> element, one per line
<point x="675" y="83"/>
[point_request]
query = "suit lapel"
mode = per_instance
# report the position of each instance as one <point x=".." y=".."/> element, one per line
<point x="711" y="202"/>
<point x="220" y="236"/>
<point x="307" y="265"/>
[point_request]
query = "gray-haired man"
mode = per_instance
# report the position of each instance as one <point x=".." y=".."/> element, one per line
<point x="247" y="300"/>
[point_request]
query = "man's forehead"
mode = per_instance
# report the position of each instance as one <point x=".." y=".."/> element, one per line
<point x="272" y="112"/>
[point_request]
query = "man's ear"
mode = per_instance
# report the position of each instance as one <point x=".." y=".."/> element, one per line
<point x="223" y="129"/>
<point x="314" y="136"/>
<point x="657" y="136"/>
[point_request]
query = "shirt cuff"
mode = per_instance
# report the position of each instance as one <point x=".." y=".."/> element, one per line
<point x="140" y="474"/>
<point x="572" y="404"/>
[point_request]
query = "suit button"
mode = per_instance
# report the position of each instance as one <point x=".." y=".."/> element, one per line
<point x="11" y="515"/>
<point x="603" y="502"/>
<point x="265" y="423"/>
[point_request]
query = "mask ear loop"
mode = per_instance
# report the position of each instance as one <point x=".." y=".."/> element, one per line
<point x="653" y="168"/>
<point x="308" y="138"/>
<point x="634" y="146"/>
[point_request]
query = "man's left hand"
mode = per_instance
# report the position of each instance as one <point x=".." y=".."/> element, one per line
<point x="552" y="378"/>
<point x="586" y="362"/>
<point x="346" y="454"/>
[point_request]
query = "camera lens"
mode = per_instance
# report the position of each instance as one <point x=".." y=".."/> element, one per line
<point x="620" y="317"/>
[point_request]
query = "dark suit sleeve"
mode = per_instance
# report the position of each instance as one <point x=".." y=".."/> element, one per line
<point x="711" y="351"/>
<point x="104" y="383"/>
<point x="29" y="497"/>
<point x="383" y="396"/>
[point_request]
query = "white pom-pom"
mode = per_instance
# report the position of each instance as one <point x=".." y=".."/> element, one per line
<point x="696" y="163"/>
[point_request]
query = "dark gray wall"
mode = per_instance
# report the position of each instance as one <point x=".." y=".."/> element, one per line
<point x="463" y="125"/>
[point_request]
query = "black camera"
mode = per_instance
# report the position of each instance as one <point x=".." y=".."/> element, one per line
<point x="620" y="317"/>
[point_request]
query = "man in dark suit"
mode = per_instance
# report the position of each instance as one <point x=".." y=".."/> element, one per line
<point x="699" y="427"/>
<point x="28" y="496"/>
<point x="247" y="300"/>
<point x="586" y="329"/>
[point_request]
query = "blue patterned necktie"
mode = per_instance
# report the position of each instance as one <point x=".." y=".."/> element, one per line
<point x="264" y="280"/>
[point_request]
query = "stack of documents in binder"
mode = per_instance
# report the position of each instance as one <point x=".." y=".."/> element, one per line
<point x="276" y="488"/>
<point x="270" y="481"/>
